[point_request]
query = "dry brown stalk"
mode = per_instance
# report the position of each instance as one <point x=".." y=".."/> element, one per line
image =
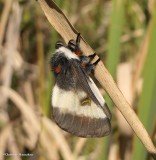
<point x="3" y="20"/>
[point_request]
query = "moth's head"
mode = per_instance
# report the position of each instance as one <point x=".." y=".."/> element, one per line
<point x="73" y="45"/>
<point x="59" y="44"/>
<point x="60" y="60"/>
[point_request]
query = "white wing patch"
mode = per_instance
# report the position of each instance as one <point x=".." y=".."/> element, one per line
<point x="69" y="101"/>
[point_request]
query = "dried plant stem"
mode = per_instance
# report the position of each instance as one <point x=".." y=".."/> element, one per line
<point x="6" y="132"/>
<point x="79" y="146"/>
<point x="29" y="93"/>
<point x="12" y="146"/>
<point x="40" y="54"/>
<point x="48" y="144"/>
<point x="4" y="18"/>
<point x="11" y="46"/>
<point x="66" y="30"/>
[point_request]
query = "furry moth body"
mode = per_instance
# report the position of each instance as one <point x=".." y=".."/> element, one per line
<point x="78" y="106"/>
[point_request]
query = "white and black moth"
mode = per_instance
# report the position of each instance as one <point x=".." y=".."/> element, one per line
<point x="78" y="106"/>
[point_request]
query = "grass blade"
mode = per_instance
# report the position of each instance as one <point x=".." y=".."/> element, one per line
<point x="146" y="109"/>
<point x="114" y="42"/>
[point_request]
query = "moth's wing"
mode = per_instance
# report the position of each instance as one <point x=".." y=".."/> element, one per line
<point x="90" y="88"/>
<point x="80" y="120"/>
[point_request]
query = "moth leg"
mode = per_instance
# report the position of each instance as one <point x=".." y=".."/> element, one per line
<point x="78" y="39"/>
<point x="74" y="46"/>
<point x="90" y="67"/>
<point x="96" y="62"/>
<point x="87" y="59"/>
<point x="94" y="65"/>
<point x="92" y="56"/>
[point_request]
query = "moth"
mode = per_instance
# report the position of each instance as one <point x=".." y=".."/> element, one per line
<point x="77" y="104"/>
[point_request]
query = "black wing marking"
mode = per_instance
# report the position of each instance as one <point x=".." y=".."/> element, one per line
<point x="83" y="79"/>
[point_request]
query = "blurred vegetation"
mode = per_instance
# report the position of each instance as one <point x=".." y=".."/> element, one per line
<point x="121" y="32"/>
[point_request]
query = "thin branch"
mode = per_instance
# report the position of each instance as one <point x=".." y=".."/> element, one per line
<point x="67" y="31"/>
<point x="79" y="146"/>
<point x="5" y="133"/>
<point x="10" y="47"/>
<point x="4" y="19"/>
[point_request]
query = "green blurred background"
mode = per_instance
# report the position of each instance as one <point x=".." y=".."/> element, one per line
<point x="123" y="34"/>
